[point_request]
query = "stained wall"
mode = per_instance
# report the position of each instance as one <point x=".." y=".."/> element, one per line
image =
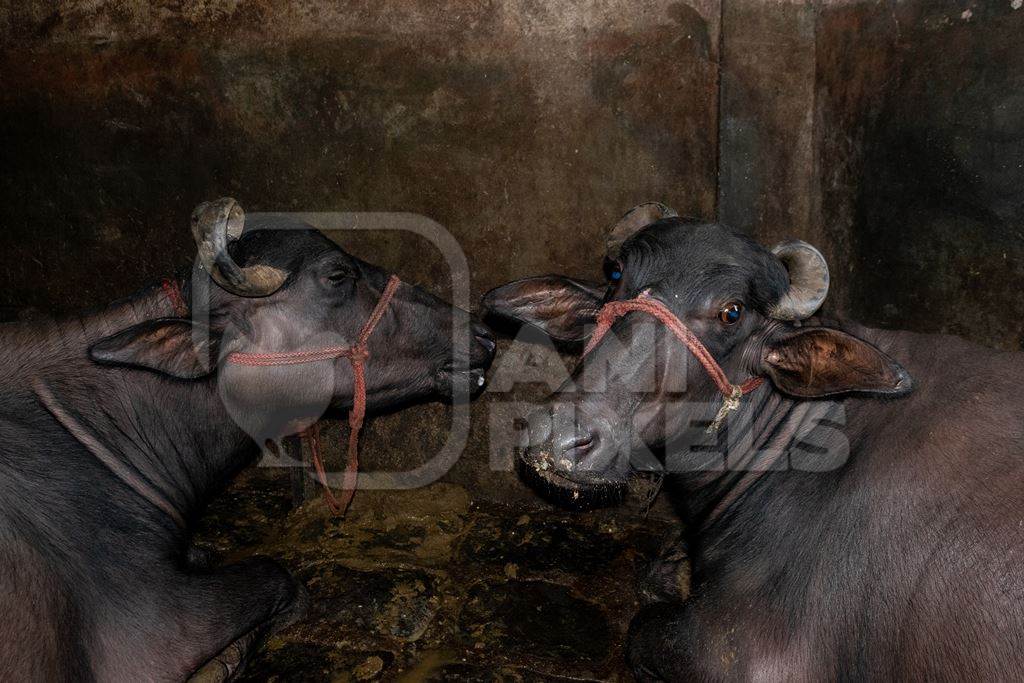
<point x="889" y="134"/>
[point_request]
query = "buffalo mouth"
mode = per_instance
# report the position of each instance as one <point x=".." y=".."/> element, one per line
<point x="572" y="492"/>
<point x="474" y="379"/>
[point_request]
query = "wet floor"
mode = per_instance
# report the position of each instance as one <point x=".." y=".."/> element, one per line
<point x="427" y="585"/>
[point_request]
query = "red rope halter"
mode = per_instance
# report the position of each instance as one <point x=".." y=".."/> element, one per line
<point x="645" y="303"/>
<point x="357" y="354"/>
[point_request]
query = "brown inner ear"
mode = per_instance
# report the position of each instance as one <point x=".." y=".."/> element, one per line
<point x="560" y="306"/>
<point x="819" y="362"/>
<point x="563" y="308"/>
<point x="165" y="345"/>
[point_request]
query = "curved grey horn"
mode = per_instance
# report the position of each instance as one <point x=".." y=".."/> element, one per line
<point x="808" y="280"/>
<point x="633" y="221"/>
<point x="216" y="224"/>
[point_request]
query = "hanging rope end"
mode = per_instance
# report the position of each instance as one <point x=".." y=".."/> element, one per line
<point x="729" y="404"/>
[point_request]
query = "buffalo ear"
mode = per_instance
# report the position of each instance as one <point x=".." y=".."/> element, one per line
<point x="813" y="362"/>
<point x="167" y="346"/>
<point x="562" y="307"/>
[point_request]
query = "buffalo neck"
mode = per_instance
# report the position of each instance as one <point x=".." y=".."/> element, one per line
<point x="169" y="440"/>
<point x="772" y="447"/>
<point x="769" y="434"/>
<point x="714" y="475"/>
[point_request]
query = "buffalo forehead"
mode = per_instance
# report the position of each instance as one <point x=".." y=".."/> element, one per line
<point x="698" y="257"/>
<point x="281" y="241"/>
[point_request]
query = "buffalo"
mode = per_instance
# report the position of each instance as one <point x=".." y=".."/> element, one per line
<point x="852" y="498"/>
<point x="118" y="426"/>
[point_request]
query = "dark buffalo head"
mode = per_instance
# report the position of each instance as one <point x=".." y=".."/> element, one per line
<point x="639" y="387"/>
<point x="274" y="284"/>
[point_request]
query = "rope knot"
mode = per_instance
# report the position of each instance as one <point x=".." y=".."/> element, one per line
<point x="172" y="291"/>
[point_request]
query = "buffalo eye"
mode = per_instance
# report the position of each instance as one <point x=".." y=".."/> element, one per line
<point x="613" y="270"/>
<point x="339" y="277"/>
<point x="731" y="313"/>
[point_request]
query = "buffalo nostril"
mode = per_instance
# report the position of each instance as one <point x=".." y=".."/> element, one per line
<point x="486" y="341"/>
<point x="482" y="333"/>
<point x="582" y="443"/>
<point x="521" y="432"/>
<point x="575" y="447"/>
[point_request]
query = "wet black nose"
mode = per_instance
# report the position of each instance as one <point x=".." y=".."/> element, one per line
<point x="484" y="337"/>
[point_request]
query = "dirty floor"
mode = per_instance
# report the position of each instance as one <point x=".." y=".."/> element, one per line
<point x="427" y="585"/>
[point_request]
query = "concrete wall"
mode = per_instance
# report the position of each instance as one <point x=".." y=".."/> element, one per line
<point x="939" y="236"/>
<point x="890" y="134"/>
<point x="800" y="81"/>
<point x="524" y="128"/>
